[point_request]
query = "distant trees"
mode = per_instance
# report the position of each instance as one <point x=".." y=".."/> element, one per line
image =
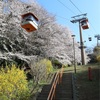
<point x="89" y="50"/>
<point x="95" y="55"/>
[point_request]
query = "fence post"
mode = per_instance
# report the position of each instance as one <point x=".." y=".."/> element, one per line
<point x="90" y="73"/>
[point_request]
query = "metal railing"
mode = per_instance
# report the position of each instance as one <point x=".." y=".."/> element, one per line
<point x="57" y="80"/>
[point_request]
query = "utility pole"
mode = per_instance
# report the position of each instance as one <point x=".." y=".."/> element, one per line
<point x="98" y="38"/>
<point x="81" y="45"/>
<point x="79" y="20"/>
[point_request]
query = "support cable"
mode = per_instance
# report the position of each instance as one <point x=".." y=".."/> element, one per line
<point x="66" y="6"/>
<point x="75" y="6"/>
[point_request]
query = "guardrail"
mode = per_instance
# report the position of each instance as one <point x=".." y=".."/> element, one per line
<point x="57" y="80"/>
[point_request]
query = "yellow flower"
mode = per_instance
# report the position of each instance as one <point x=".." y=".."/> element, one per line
<point x="13" y="82"/>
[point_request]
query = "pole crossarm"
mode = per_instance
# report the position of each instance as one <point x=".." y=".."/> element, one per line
<point x="98" y="38"/>
<point x="78" y="20"/>
<point x="79" y="15"/>
<point x="83" y="17"/>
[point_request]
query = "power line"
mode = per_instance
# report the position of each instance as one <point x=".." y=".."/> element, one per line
<point x="93" y="27"/>
<point x="81" y="12"/>
<point x="73" y="11"/>
<point x="75" y="6"/>
<point x="63" y="17"/>
<point x="66" y="6"/>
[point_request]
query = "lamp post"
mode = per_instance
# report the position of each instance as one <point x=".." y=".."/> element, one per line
<point x="73" y="36"/>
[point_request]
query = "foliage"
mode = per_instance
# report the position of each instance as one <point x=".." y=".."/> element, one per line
<point x="41" y="69"/>
<point x="97" y="49"/>
<point x="95" y="55"/>
<point x="48" y="64"/>
<point x="89" y="50"/>
<point x="13" y="84"/>
<point x="98" y="58"/>
<point x="56" y="63"/>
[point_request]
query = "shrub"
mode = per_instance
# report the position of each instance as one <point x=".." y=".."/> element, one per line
<point x="98" y="58"/>
<point x="13" y="84"/>
<point x="56" y="63"/>
<point x="48" y="65"/>
<point x="41" y="69"/>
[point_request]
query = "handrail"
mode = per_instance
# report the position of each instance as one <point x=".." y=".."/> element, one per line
<point x="57" y="80"/>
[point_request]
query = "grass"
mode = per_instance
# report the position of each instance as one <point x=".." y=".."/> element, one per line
<point x="88" y="90"/>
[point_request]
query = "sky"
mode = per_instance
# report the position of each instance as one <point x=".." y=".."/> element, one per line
<point x="65" y="9"/>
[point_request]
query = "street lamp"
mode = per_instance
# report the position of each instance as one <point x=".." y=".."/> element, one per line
<point x="73" y="36"/>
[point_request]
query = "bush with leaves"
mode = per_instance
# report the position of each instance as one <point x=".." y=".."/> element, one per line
<point x="41" y="69"/>
<point x="56" y="63"/>
<point x="98" y="58"/>
<point x="96" y="52"/>
<point x="13" y="84"/>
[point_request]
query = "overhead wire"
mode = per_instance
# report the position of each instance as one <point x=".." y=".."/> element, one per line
<point x="81" y="12"/>
<point x="66" y="6"/>
<point x="68" y="20"/>
<point x="74" y="12"/>
<point x="75" y="6"/>
<point x="68" y="9"/>
<point x="63" y="17"/>
<point x="71" y="11"/>
<point x="93" y="28"/>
